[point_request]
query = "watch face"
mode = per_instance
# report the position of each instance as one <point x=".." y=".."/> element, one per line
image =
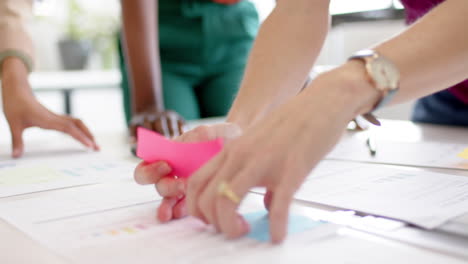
<point x="384" y="73"/>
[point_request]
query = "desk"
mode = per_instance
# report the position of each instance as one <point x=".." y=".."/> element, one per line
<point x="17" y="248"/>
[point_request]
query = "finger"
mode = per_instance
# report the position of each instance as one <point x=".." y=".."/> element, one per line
<point x="86" y="131"/>
<point x="180" y="125"/>
<point x="209" y="196"/>
<point x="17" y="142"/>
<point x="279" y="212"/>
<point x="197" y="182"/>
<point x="205" y="133"/>
<point x="165" y="126"/>
<point x="180" y="209"/>
<point x="227" y="214"/>
<point x="69" y="127"/>
<point x="170" y="187"/>
<point x="148" y="124"/>
<point x="164" y="213"/>
<point x="170" y="126"/>
<point x="133" y="131"/>
<point x="267" y="199"/>
<point x="160" y="126"/>
<point x="151" y="173"/>
<point x="230" y="222"/>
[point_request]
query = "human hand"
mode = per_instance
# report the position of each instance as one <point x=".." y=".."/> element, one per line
<point x="167" y="123"/>
<point x="227" y="2"/>
<point x="173" y="188"/>
<point x="277" y="152"/>
<point x="22" y="110"/>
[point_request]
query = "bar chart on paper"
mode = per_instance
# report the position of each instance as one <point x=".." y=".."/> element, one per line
<point x="18" y="177"/>
<point x="114" y="235"/>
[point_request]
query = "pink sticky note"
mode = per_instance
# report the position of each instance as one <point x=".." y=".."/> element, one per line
<point x="184" y="158"/>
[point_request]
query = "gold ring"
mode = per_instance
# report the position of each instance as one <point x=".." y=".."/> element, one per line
<point x="225" y="190"/>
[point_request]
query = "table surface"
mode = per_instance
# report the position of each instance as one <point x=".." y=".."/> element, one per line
<point x="15" y="244"/>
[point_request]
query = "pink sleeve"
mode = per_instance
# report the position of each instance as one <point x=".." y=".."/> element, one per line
<point x="13" y="35"/>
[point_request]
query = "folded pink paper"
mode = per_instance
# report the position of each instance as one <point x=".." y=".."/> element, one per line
<point x="184" y="158"/>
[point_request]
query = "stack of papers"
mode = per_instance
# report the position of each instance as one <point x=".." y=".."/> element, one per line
<point x="28" y="176"/>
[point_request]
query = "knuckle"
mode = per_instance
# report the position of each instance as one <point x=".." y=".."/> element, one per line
<point x="138" y="172"/>
<point x="193" y="184"/>
<point x="202" y="131"/>
<point x="67" y="126"/>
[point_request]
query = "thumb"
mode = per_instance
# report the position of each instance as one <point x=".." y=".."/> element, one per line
<point x="17" y="142"/>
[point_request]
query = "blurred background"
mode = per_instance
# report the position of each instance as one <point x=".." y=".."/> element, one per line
<point x="76" y="60"/>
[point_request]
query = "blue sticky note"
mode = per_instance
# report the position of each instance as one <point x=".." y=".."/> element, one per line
<point x="260" y="227"/>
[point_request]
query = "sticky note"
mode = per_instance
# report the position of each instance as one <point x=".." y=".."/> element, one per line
<point x="464" y="154"/>
<point x="184" y="158"/>
<point x="260" y="227"/>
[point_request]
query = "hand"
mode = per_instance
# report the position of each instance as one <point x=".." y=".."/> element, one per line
<point x="227" y="2"/>
<point x="22" y="110"/>
<point x="167" y="123"/>
<point x="277" y="152"/>
<point x="171" y="188"/>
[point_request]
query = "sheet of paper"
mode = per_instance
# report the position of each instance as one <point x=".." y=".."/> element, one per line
<point x="422" y="154"/>
<point x="76" y="201"/>
<point x="464" y="154"/>
<point x="419" y="197"/>
<point x="184" y="158"/>
<point x="132" y="234"/>
<point x="20" y="177"/>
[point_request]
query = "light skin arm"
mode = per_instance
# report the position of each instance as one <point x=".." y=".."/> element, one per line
<point x="141" y="42"/>
<point x="431" y="55"/>
<point x="309" y="124"/>
<point x="270" y="79"/>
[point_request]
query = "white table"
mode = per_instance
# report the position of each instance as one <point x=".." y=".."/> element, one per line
<point x="17" y="248"/>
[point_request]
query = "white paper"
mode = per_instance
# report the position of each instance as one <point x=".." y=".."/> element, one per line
<point x="421" y="154"/>
<point x="74" y="202"/>
<point x="133" y="235"/>
<point x="28" y="176"/>
<point x="419" y="197"/>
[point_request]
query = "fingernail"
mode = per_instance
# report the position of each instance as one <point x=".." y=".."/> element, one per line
<point x="163" y="169"/>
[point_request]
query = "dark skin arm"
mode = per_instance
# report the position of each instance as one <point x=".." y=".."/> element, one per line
<point x="141" y="42"/>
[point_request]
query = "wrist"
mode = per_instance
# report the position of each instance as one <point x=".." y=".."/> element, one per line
<point x="13" y="66"/>
<point x="355" y="87"/>
<point x="15" y="77"/>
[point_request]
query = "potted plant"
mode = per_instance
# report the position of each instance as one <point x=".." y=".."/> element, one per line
<point x="75" y="48"/>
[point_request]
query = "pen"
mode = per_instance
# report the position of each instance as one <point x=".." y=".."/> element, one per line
<point x="370" y="142"/>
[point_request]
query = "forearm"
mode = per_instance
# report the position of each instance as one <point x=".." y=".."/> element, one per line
<point x="432" y="54"/>
<point x="287" y="45"/>
<point x="14" y="39"/>
<point x="141" y="42"/>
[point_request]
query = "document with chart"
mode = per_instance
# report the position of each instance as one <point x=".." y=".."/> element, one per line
<point x="417" y="196"/>
<point x="122" y="228"/>
<point x="20" y="176"/>
<point x="419" y="154"/>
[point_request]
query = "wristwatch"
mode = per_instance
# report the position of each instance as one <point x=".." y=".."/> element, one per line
<point x="383" y="75"/>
